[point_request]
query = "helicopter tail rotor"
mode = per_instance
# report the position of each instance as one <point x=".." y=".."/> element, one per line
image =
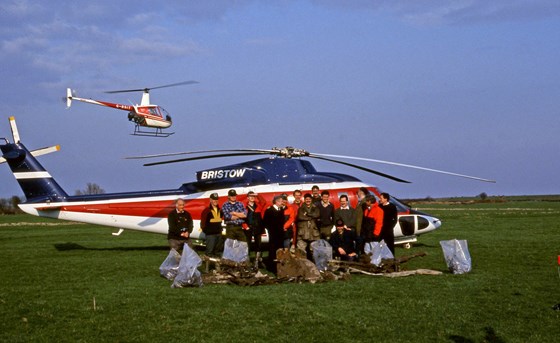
<point x="69" y="96"/>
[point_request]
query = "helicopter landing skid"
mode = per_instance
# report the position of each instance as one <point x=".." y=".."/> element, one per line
<point x="157" y="133"/>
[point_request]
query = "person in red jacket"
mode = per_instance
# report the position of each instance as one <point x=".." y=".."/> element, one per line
<point x="290" y="218"/>
<point x="298" y="201"/>
<point x="372" y="221"/>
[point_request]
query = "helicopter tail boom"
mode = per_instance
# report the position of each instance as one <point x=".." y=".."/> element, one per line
<point x="35" y="181"/>
<point x="70" y="96"/>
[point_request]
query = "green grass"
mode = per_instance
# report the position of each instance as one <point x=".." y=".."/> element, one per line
<point x="50" y="276"/>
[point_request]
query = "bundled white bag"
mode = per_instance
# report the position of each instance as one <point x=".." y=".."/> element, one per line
<point x="236" y="251"/>
<point x="188" y="273"/>
<point x="170" y="265"/>
<point x="457" y="256"/>
<point x="322" y="254"/>
<point x="379" y="251"/>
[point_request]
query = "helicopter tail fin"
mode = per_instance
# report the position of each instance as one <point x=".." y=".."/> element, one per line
<point x="35" y="181"/>
<point x="68" y="97"/>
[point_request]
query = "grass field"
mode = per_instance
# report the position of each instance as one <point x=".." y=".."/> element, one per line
<point x="66" y="282"/>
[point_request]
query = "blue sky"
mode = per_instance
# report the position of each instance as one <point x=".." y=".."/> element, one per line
<point x="466" y="86"/>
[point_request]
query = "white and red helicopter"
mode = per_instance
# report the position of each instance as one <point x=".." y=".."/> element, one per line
<point x="283" y="172"/>
<point x="145" y="115"/>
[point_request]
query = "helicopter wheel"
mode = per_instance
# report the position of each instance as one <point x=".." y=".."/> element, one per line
<point x="407" y="246"/>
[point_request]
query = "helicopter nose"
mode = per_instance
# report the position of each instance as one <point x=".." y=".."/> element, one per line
<point x="436" y="222"/>
<point x="428" y="223"/>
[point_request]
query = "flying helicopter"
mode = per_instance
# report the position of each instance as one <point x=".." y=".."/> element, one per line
<point x="145" y="115"/>
<point x="283" y="171"/>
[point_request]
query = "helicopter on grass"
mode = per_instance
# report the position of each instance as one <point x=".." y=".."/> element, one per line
<point x="145" y="115"/>
<point x="283" y="170"/>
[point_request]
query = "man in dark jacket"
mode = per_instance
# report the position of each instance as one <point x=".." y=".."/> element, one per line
<point x="255" y="206"/>
<point x="211" y="225"/>
<point x="343" y="242"/>
<point x="180" y="226"/>
<point x="274" y="223"/>
<point x="346" y="213"/>
<point x="390" y="218"/>
<point x="326" y="217"/>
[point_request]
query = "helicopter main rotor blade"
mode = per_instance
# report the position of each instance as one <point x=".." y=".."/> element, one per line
<point x="203" y="157"/>
<point x="264" y="151"/>
<point x="406" y="166"/>
<point x="361" y="168"/>
<point x="176" y="84"/>
<point x="127" y="90"/>
<point x="290" y="152"/>
<point x="148" y="89"/>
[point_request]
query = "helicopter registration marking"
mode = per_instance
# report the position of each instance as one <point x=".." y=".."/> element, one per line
<point x="222" y="173"/>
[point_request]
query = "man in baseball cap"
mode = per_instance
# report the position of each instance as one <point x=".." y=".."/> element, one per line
<point x="234" y="217"/>
<point x="343" y="242"/>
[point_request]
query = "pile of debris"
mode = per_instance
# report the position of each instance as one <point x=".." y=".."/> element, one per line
<point x="295" y="267"/>
<point x="292" y="266"/>
<point x="237" y="273"/>
<point x="364" y="265"/>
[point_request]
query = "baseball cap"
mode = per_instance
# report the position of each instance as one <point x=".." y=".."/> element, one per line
<point x="232" y="193"/>
<point x="214" y="196"/>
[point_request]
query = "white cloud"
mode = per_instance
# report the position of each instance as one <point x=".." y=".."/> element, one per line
<point x="438" y="12"/>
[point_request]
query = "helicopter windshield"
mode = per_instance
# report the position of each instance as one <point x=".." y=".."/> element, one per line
<point x="155" y="111"/>
<point x="164" y="113"/>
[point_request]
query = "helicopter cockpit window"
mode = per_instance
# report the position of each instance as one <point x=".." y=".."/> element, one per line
<point x="155" y="111"/>
<point x="422" y="223"/>
<point x="164" y="113"/>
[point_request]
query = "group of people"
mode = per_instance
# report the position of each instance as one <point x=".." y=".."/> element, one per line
<point x="308" y="218"/>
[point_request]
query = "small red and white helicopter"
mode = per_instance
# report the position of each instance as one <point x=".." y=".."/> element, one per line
<point x="284" y="172"/>
<point x="145" y="115"/>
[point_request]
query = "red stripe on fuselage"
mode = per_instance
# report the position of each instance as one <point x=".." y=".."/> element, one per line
<point x="117" y="106"/>
<point x="161" y="208"/>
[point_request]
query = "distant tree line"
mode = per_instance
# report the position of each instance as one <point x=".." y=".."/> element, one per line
<point x="91" y="188"/>
<point x="10" y="205"/>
